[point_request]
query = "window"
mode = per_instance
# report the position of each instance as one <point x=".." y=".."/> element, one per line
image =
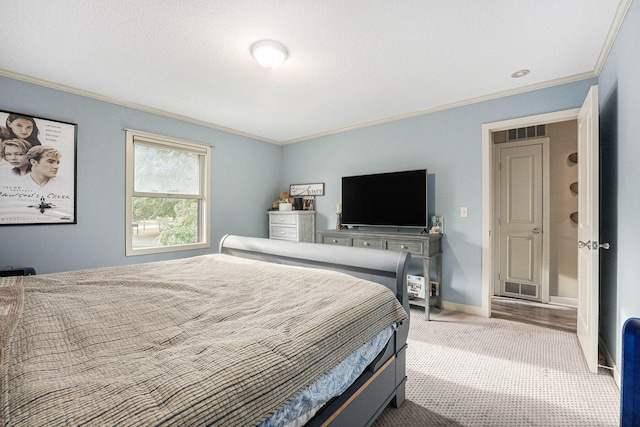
<point x="167" y="194"/>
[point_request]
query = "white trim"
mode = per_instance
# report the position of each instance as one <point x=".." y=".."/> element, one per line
<point x="546" y="218"/>
<point x="510" y="92"/>
<point x="197" y="146"/>
<point x="128" y="104"/>
<point x="611" y="362"/>
<point x="204" y="153"/>
<point x="462" y="308"/>
<point x="488" y="189"/>
<point x="566" y="301"/>
<point x="618" y="19"/>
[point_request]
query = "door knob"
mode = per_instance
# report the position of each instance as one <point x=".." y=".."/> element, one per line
<point x="536" y="230"/>
<point x="586" y="244"/>
<point x="597" y="245"/>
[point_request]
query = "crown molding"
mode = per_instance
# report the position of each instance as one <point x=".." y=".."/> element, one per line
<point x="422" y="112"/>
<point x="502" y="94"/>
<point x="128" y="104"/>
<point x="618" y="19"/>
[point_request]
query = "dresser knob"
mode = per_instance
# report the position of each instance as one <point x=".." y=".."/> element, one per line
<point x="335" y="241"/>
<point x="367" y="244"/>
<point x="403" y="247"/>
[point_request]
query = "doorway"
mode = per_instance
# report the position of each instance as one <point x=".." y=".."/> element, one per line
<point x="587" y="221"/>
<point x="535" y="195"/>
<point x="489" y="270"/>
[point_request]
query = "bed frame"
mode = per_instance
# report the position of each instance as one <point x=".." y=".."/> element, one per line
<point x="384" y="381"/>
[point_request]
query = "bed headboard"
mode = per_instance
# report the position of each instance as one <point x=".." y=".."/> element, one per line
<point x="388" y="268"/>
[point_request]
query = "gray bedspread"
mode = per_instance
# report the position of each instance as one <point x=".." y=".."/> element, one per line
<point x="208" y="340"/>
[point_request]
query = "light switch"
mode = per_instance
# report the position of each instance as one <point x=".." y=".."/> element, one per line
<point x="463" y="212"/>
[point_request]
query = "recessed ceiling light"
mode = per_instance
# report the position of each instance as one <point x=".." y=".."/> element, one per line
<point x="520" y="73"/>
<point x="269" y="54"/>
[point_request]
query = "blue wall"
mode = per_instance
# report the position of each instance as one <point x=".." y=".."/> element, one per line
<point x="619" y="96"/>
<point x="449" y="144"/>
<point x="247" y="175"/>
<point x="245" y="182"/>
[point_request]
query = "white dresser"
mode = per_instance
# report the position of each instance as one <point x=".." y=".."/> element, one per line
<point x="296" y="226"/>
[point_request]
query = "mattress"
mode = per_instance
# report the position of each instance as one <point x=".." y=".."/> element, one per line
<point x="335" y="382"/>
<point x="213" y="340"/>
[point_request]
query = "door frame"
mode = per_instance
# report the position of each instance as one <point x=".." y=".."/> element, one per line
<point x="489" y="238"/>
<point x="544" y="141"/>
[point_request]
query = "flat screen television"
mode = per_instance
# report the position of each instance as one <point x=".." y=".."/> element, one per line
<point x="393" y="199"/>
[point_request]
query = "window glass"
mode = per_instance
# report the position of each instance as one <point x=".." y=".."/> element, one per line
<point x="164" y="222"/>
<point x="164" y="170"/>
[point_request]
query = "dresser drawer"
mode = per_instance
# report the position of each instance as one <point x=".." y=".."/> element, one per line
<point x="367" y="243"/>
<point x="415" y="248"/>
<point x="296" y="226"/>
<point x="283" y="219"/>
<point x="338" y="241"/>
<point x="283" y="233"/>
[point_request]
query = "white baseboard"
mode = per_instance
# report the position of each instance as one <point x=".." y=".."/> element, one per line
<point x="463" y="308"/>
<point x="571" y="302"/>
<point x="610" y="361"/>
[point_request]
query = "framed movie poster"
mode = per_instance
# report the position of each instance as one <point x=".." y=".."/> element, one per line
<point x="37" y="170"/>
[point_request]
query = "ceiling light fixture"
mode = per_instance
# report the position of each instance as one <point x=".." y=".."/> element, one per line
<point x="519" y="74"/>
<point x="269" y="54"/>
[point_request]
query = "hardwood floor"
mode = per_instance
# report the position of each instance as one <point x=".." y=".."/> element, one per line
<point x="551" y="316"/>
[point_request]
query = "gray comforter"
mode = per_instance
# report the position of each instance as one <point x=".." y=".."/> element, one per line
<point x="208" y="340"/>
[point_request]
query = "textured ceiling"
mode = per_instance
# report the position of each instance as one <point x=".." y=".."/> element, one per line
<point x="350" y="63"/>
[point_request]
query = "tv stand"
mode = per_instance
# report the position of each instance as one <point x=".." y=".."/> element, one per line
<point x="420" y="245"/>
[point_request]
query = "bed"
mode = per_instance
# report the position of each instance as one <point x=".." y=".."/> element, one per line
<point x="240" y="337"/>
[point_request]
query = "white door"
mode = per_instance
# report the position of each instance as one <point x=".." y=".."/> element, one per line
<point x="520" y="221"/>
<point x="588" y="233"/>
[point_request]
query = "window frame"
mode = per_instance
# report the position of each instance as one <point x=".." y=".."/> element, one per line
<point x="203" y="151"/>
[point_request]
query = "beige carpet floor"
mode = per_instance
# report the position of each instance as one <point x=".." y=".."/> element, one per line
<point x="467" y="370"/>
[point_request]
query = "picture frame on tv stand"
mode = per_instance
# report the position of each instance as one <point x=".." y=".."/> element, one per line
<point x="437" y="225"/>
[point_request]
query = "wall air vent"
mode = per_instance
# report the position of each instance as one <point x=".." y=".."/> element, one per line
<point x="529" y="290"/>
<point x="512" y="288"/>
<point x="521" y="290"/>
<point x="527" y="132"/>
<point x="502" y="136"/>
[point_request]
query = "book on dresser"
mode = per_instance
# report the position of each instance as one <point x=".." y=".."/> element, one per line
<point x="415" y="286"/>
